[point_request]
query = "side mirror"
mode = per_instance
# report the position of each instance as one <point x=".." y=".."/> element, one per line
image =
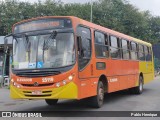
<point x="8" y="39"/>
<point x="8" y="43"/>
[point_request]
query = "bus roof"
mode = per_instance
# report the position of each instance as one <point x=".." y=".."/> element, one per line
<point x="92" y="25"/>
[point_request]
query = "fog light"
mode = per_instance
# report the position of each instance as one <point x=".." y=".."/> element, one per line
<point x="70" y="77"/>
<point x="14" y="84"/>
<point x="57" y="84"/>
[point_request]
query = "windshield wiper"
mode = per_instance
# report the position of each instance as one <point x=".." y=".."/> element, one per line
<point x="47" y="42"/>
<point x="27" y="43"/>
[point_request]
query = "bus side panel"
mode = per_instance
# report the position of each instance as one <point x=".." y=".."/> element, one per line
<point x="133" y="73"/>
<point x="150" y="71"/>
<point x="113" y="67"/>
<point x="146" y="68"/>
<point x="88" y="87"/>
<point x="108" y="72"/>
<point x="123" y="74"/>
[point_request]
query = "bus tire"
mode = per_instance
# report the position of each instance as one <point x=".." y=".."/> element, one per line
<point x="51" y="101"/>
<point x="139" y="88"/>
<point x="97" y="101"/>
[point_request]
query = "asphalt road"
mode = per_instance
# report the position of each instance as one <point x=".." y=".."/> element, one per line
<point x="119" y="101"/>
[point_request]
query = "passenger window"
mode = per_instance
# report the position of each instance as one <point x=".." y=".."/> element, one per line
<point x="134" y="51"/>
<point x="99" y="38"/>
<point x="101" y="45"/>
<point x="125" y="49"/>
<point x="149" y="54"/>
<point x="141" y="53"/>
<point x="146" y="50"/>
<point x="114" y="47"/>
<point x="141" y="48"/>
<point x="114" y="41"/>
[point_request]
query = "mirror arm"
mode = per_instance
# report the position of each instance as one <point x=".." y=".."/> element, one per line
<point x="8" y="35"/>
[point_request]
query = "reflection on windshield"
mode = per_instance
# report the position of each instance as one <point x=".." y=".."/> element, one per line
<point x="60" y="52"/>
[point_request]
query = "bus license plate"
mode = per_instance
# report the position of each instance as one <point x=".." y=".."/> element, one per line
<point x="37" y="92"/>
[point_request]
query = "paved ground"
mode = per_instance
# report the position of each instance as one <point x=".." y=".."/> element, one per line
<point x="119" y="101"/>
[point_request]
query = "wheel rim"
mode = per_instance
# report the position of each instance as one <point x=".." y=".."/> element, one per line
<point x="101" y="94"/>
<point x="140" y="86"/>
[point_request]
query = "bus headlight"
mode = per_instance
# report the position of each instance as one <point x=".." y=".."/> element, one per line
<point x="18" y="85"/>
<point x="12" y="80"/>
<point x="70" y="77"/>
<point x="64" y="82"/>
<point x="57" y="84"/>
<point x="15" y="84"/>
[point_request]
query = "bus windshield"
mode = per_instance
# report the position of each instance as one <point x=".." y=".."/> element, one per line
<point x="43" y="51"/>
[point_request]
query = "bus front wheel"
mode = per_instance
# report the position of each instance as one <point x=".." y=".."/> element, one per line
<point x="51" y="101"/>
<point x="97" y="101"/>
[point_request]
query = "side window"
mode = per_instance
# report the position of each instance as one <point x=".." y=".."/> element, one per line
<point x="141" y="53"/>
<point x="149" y="54"/>
<point x="85" y="34"/>
<point x="125" y="49"/>
<point x="114" y="47"/>
<point x="146" y="52"/>
<point x="101" y="45"/>
<point x="134" y="51"/>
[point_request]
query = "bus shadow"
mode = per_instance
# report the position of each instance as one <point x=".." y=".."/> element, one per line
<point x="83" y="105"/>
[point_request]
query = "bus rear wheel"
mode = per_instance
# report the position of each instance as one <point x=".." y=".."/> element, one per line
<point x="97" y="101"/>
<point x="51" y="101"/>
<point x="139" y="88"/>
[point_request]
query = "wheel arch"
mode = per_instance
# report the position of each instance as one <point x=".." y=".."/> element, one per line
<point x="141" y="74"/>
<point x="104" y="80"/>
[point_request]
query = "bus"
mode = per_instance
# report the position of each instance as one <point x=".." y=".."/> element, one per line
<point x="65" y="57"/>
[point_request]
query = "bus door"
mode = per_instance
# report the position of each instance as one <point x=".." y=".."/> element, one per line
<point x="84" y="52"/>
<point x="84" y="60"/>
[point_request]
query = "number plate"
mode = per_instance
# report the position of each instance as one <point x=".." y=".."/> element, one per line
<point x="37" y="92"/>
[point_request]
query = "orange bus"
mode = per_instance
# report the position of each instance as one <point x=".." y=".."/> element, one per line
<point x="65" y="57"/>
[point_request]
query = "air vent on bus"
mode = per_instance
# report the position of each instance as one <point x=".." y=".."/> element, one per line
<point x="47" y="95"/>
<point x="37" y="73"/>
<point x="39" y="85"/>
<point x="49" y="91"/>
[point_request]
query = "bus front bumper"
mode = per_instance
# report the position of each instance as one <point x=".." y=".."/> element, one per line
<point x="68" y="91"/>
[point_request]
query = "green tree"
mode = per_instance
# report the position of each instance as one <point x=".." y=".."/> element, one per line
<point x="118" y="15"/>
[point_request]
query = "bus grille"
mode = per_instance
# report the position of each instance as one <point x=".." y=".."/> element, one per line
<point x="49" y="91"/>
<point x="38" y="95"/>
<point x="37" y="73"/>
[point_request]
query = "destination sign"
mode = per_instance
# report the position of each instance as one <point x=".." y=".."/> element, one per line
<point x="42" y="24"/>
